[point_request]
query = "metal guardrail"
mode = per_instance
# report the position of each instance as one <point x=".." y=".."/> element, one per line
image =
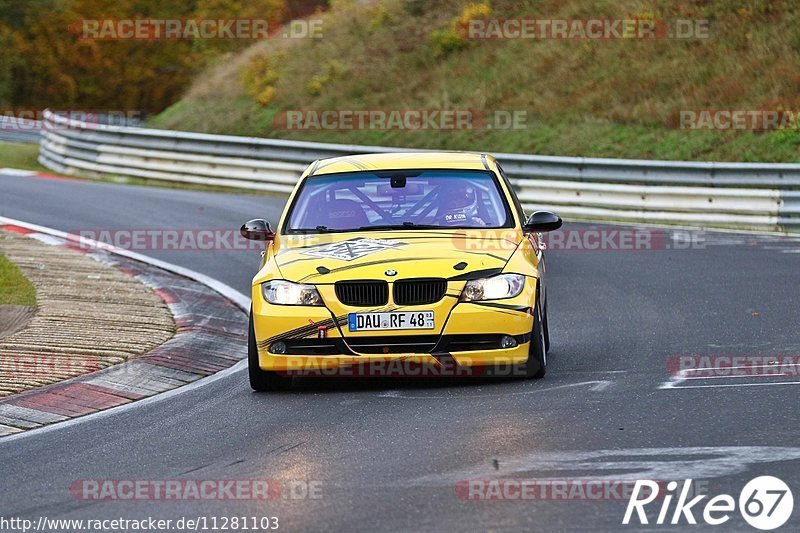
<point x="735" y="195"/>
<point x="29" y="131"/>
<point x="19" y="130"/>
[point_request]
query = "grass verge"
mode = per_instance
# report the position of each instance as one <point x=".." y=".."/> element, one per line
<point x="15" y="289"/>
<point x="20" y="156"/>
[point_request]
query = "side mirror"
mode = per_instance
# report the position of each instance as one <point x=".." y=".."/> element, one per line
<point x="257" y="230"/>
<point x="542" y="221"/>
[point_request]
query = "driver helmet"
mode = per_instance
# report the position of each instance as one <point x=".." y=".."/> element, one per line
<point x="459" y="203"/>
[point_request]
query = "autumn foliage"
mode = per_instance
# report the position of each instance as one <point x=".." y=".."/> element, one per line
<point x="45" y="62"/>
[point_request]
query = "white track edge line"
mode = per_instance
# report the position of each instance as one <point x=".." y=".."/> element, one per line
<point x="225" y="290"/>
<point x="126" y="406"/>
<point x="242" y="301"/>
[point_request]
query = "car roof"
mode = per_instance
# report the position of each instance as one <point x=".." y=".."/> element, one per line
<point x="402" y="161"/>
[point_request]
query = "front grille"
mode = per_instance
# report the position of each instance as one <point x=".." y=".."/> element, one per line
<point x="363" y="293"/>
<point x="396" y="344"/>
<point x="421" y="291"/>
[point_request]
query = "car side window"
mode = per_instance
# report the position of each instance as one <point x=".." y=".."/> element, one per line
<point x="517" y="204"/>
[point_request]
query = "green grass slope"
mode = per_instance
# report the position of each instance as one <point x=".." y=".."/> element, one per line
<point x="604" y="98"/>
<point x="15" y="289"/>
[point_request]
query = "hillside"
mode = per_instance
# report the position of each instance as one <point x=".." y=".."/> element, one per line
<point x="607" y="98"/>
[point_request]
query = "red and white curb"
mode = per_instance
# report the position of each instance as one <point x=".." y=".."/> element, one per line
<point x="16" y="173"/>
<point x="211" y="336"/>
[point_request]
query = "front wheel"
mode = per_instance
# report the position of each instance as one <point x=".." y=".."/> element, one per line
<point x="546" y="330"/>
<point x="262" y="380"/>
<point x="536" y="366"/>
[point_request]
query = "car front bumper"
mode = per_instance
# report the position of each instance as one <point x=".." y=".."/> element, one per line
<point x="317" y="342"/>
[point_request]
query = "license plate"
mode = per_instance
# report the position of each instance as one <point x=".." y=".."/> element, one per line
<point x="390" y="321"/>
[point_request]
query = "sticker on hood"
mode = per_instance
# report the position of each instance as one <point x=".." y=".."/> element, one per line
<point x="353" y="248"/>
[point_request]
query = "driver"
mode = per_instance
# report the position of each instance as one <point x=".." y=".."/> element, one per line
<point x="458" y="205"/>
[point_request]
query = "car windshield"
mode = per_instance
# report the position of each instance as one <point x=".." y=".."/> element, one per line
<point x="399" y="200"/>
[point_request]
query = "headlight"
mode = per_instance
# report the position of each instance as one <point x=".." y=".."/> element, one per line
<point x="282" y="292"/>
<point x="494" y="288"/>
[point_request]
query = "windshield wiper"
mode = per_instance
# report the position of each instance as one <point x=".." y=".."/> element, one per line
<point x="404" y="225"/>
<point x="318" y="229"/>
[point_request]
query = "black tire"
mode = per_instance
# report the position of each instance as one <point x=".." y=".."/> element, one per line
<point x="536" y="366"/>
<point x="546" y="330"/>
<point x="262" y="380"/>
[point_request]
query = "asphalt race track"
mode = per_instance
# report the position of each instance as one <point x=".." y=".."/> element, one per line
<point x="389" y="454"/>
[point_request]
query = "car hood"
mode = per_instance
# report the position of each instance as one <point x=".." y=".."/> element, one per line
<point x="332" y="257"/>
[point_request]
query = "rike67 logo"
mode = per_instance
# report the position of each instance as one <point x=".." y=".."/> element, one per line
<point x="765" y="503"/>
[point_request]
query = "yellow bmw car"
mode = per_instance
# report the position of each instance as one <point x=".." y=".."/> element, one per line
<point x="400" y="264"/>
